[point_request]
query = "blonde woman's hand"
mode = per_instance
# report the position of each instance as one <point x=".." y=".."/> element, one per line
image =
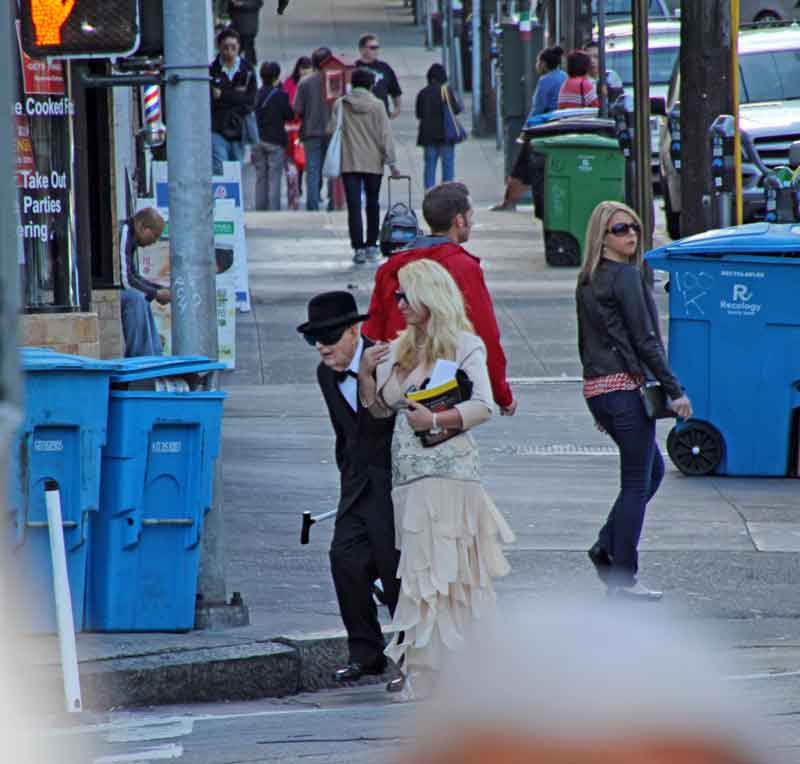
<point x="371" y="357"/>
<point x="419" y="417"/>
<point x="682" y="407"/>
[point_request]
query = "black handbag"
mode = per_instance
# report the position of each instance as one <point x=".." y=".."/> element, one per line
<point x="233" y="127"/>
<point x="655" y="400"/>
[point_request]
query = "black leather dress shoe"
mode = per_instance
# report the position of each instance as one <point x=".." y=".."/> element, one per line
<point x="396" y="684"/>
<point x="354" y="670"/>
<point x="601" y="561"/>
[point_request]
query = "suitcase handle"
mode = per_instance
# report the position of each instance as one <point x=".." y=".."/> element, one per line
<point x="400" y="177"/>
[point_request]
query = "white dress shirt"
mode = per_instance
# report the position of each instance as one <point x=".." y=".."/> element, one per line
<point x="349" y="387"/>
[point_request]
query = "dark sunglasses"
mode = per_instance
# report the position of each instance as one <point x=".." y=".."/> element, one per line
<point x="401" y="297"/>
<point x="373" y="47"/>
<point x="329" y="337"/>
<point x="620" y="229"/>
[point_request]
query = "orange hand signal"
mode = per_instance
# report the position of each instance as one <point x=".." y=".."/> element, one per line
<point x="48" y="18"/>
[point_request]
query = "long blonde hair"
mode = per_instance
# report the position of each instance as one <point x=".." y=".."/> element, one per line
<point x="429" y="286"/>
<point x="596" y="231"/>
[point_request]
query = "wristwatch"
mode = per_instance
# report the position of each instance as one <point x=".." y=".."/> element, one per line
<point x="435" y="429"/>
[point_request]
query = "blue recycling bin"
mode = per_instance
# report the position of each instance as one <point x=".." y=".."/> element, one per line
<point x="734" y="342"/>
<point x="61" y="438"/>
<point x="156" y="487"/>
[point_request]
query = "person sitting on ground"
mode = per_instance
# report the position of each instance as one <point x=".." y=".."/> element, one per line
<point x="545" y="98"/>
<point x="447" y="209"/>
<point x="138" y="325"/>
<point x="578" y="91"/>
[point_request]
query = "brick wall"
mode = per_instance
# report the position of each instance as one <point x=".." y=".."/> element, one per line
<point x="73" y="333"/>
<point x="106" y="303"/>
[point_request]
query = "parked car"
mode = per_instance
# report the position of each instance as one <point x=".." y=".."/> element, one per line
<point x="763" y="11"/>
<point x="622" y="9"/>
<point x="769" y="116"/>
<point x="664" y="44"/>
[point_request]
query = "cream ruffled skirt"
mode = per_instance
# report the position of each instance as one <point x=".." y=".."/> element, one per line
<point x="449" y="534"/>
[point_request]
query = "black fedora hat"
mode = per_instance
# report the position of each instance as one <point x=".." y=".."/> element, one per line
<point x="329" y="310"/>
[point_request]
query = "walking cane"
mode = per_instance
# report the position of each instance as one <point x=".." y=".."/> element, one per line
<point x="308" y="521"/>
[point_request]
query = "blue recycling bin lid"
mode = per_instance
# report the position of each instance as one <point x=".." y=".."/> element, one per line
<point x="44" y="359"/>
<point x="150" y="367"/>
<point x="781" y="240"/>
<point x="550" y="116"/>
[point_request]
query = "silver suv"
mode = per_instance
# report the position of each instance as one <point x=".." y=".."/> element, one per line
<point x="769" y="116"/>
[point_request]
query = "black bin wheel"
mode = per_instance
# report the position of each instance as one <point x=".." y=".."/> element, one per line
<point x="561" y="250"/>
<point x="696" y="448"/>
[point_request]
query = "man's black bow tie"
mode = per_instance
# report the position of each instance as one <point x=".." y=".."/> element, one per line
<point x="341" y="376"/>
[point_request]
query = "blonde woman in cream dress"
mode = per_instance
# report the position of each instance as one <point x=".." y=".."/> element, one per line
<point x="447" y="528"/>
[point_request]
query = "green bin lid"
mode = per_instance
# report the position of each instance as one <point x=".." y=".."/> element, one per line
<point x="576" y="141"/>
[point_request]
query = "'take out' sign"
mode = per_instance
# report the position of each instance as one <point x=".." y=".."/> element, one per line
<point x="79" y="28"/>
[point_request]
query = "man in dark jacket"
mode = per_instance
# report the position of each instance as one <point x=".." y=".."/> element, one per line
<point x="138" y="326"/>
<point x="363" y="547"/>
<point x="386" y="85"/>
<point x="269" y="156"/>
<point x="311" y="107"/>
<point x="244" y="19"/>
<point x="233" y="95"/>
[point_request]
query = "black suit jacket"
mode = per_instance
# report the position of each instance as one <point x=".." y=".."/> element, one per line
<point x="363" y="446"/>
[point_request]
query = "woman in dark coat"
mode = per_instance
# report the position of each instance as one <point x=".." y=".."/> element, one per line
<point x="430" y="113"/>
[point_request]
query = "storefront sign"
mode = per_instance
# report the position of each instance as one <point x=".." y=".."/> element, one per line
<point x="39" y="76"/>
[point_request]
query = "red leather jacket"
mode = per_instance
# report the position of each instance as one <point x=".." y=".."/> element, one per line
<point x="385" y="320"/>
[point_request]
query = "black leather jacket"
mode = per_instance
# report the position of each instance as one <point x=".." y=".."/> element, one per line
<point x="618" y="327"/>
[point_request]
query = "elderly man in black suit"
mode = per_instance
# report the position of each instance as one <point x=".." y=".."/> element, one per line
<point x="363" y="547"/>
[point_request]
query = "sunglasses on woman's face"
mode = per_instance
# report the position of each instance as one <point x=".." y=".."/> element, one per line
<point x="621" y="229"/>
<point x="401" y="297"/>
<point x="329" y="337"/>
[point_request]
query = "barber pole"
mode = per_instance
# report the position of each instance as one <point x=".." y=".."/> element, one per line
<point x="151" y="107"/>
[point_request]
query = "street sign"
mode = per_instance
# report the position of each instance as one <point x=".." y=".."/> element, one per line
<point x="79" y="28"/>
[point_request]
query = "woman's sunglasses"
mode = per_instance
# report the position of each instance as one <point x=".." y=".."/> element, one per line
<point x="401" y="297"/>
<point x="329" y="337"/>
<point x="621" y="229"/>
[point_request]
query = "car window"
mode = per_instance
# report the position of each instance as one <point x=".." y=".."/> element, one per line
<point x="662" y="62"/>
<point x="623" y="8"/>
<point x="770" y="76"/>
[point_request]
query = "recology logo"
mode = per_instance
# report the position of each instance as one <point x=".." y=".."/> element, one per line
<point x="741" y="302"/>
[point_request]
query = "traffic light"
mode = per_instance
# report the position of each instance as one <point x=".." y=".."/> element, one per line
<point x="79" y="28"/>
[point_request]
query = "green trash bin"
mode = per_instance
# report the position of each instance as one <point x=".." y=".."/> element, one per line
<point x="581" y="170"/>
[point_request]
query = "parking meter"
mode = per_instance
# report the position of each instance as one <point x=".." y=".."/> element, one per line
<point x="721" y="137"/>
<point x="772" y="188"/>
<point x="623" y="116"/>
<point x="674" y="127"/>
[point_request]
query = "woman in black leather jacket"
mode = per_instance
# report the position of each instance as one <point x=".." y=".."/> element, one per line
<point x="620" y="346"/>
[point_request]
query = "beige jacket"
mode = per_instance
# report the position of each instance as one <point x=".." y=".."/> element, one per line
<point x="470" y="356"/>
<point x="367" y="141"/>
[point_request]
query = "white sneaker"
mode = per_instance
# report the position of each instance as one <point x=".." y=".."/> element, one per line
<point x="636" y="591"/>
<point x="359" y="256"/>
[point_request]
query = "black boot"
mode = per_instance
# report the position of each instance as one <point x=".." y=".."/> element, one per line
<point x="282" y="6"/>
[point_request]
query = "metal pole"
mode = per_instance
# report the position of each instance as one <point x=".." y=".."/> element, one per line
<point x="446" y="36"/>
<point x="429" y="24"/>
<point x="527" y="53"/>
<point x="737" y="135"/>
<point x="191" y="213"/>
<point x="477" y="49"/>
<point x="601" y="60"/>
<point x="641" y="69"/>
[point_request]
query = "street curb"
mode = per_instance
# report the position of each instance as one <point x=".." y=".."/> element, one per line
<point x="270" y="668"/>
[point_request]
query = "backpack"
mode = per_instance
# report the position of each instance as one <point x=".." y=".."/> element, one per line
<point x="400" y="226"/>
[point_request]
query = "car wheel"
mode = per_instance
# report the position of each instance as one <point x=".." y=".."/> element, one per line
<point x="673" y="218"/>
<point x="767" y="17"/>
<point x="561" y="250"/>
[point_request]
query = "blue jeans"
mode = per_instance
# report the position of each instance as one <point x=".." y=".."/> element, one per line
<point x="315" y="149"/>
<point x="622" y="416"/>
<point x="370" y="183"/>
<point x="447" y="152"/>
<point x="138" y="325"/>
<point x="223" y="150"/>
